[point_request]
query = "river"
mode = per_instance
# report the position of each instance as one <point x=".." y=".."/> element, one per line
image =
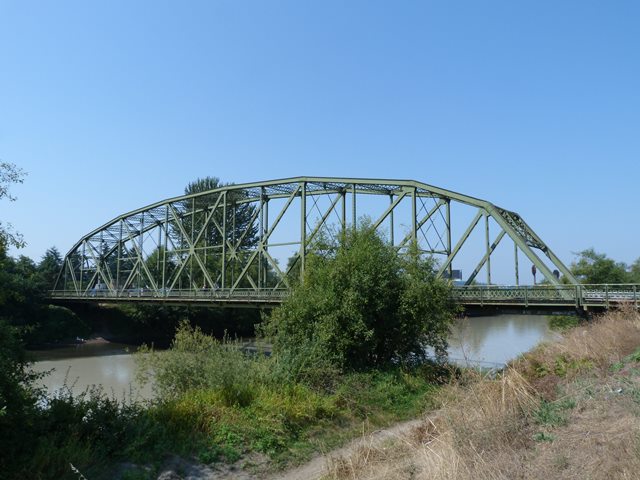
<point x="486" y="341"/>
<point x="109" y="365"/>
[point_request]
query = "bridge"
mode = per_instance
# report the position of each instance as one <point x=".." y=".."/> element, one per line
<point x="564" y="297"/>
<point x="245" y="244"/>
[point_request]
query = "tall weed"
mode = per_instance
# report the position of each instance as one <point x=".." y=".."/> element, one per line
<point x="198" y="361"/>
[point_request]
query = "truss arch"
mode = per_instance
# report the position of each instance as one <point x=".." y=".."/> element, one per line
<point x="193" y="243"/>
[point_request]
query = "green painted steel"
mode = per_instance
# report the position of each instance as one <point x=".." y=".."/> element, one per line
<point x="565" y="296"/>
<point x="233" y="242"/>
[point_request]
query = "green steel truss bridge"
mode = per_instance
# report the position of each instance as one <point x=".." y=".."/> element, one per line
<point x="244" y="245"/>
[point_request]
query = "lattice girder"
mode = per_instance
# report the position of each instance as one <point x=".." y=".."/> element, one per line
<point x="224" y="239"/>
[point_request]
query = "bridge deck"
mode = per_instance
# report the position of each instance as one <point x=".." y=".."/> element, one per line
<point x="567" y="296"/>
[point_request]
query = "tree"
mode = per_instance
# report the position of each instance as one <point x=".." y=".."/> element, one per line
<point x="593" y="267"/>
<point x="21" y="295"/>
<point x="238" y="215"/>
<point x="635" y="271"/>
<point x="9" y="175"/>
<point x="239" y="222"/>
<point x="50" y="266"/>
<point x="158" y="260"/>
<point x="361" y="304"/>
<point x="19" y="396"/>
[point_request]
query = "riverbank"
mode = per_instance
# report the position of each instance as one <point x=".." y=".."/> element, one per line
<point x="568" y="409"/>
<point x="263" y="424"/>
<point x="483" y="341"/>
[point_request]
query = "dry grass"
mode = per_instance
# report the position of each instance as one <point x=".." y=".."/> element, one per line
<point x="490" y="429"/>
<point x="603" y="341"/>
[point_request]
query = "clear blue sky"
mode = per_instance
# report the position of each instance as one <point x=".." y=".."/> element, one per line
<point x="534" y="105"/>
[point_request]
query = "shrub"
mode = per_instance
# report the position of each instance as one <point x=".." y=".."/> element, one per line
<point x="198" y="361"/>
<point x="563" y="323"/>
<point x="360" y="304"/>
<point x="18" y="399"/>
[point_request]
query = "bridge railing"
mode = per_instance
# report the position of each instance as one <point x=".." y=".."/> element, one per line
<point x="198" y="295"/>
<point x="580" y="296"/>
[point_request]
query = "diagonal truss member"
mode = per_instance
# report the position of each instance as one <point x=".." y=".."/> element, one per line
<point x="223" y="239"/>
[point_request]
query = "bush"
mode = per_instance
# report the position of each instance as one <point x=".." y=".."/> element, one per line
<point x="360" y="304"/>
<point x="199" y="361"/>
<point x="18" y="399"/>
<point x="57" y="324"/>
<point x="562" y="323"/>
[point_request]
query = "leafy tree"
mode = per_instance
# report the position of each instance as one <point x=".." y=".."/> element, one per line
<point x="635" y="271"/>
<point x="238" y="214"/>
<point x="361" y="304"/>
<point x="594" y="267"/>
<point x="18" y="399"/>
<point x="21" y="295"/>
<point x="23" y="284"/>
<point x="155" y="263"/>
<point x="50" y="266"/>
<point x="241" y="230"/>
<point x="9" y="175"/>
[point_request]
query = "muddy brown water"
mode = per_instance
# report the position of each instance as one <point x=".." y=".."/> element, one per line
<point x="110" y="366"/>
<point x="485" y="341"/>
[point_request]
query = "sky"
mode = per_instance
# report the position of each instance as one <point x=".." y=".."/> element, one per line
<point x="534" y="106"/>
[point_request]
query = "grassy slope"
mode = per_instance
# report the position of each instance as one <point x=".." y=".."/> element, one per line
<point x="291" y="423"/>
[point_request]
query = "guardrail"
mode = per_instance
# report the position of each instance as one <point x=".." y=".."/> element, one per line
<point x="578" y="296"/>
<point x="200" y="295"/>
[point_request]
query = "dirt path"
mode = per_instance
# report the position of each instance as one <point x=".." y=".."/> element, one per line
<point x="314" y="469"/>
<point x="317" y="467"/>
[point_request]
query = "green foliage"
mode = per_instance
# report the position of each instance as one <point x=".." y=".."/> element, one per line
<point x="9" y="174"/>
<point x="634" y="357"/>
<point x="50" y="266"/>
<point x="543" y="437"/>
<point x="160" y="259"/>
<point x="631" y="358"/>
<point x="553" y="413"/>
<point x="634" y="271"/>
<point x="23" y="304"/>
<point x="57" y="324"/>
<point x="216" y="403"/>
<point x="562" y="323"/>
<point x="223" y="403"/>
<point x="238" y="214"/>
<point x="197" y="361"/>
<point x="562" y="366"/>
<point x="376" y="394"/>
<point x="18" y="396"/>
<point x="360" y="305"/>
<point x="593" y="267"/>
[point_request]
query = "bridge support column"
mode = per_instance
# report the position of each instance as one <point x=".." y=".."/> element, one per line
<point x="449" y="246"/>
<point x="414" y="213"/>
<point x="354" y="218"/>
<point x="344" y="211"/>
<point x="164" y="253"/>
<point x="303" y="226"/>
<point x="488" y="247"/>
<point x="515" y="258"/>
<point x="391" y="220"/>
<point x="223" y="266"/>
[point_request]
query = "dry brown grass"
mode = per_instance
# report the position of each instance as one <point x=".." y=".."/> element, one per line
<point x="486" y="428"/>
<point x="605" y="340"/>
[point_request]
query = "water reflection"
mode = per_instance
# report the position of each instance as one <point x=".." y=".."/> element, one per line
<point x="497" y="339"/>
<point x="111" y="366"/>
